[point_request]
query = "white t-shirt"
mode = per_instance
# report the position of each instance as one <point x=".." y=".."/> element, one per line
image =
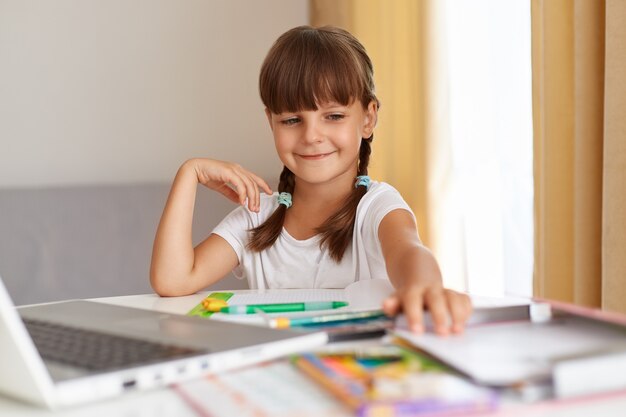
<point x="292" y="263"/>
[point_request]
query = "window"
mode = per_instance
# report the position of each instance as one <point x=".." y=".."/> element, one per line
<point x="490" y="110"/>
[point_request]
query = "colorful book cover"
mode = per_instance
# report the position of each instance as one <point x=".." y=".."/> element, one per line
<point x="391" y="380"/>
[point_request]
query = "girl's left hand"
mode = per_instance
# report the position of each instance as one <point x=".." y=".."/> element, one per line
<point x="448" y="309"/>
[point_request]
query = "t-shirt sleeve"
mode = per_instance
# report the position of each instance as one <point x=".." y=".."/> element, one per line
<point x="383" y="203"/>
<point x="234" y="228"/>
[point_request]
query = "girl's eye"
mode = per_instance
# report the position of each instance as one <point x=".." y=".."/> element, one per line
<point x="290" y="121"/>
<point x="336" y="116"/>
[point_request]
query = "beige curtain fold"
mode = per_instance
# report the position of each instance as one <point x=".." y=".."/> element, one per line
<point x="579" y="100"/>
<point x="614" y="173"/>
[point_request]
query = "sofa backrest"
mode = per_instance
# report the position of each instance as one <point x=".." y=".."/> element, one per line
<point x="89" y="241"/>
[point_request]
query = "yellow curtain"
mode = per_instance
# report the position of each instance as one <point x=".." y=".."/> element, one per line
<point x="579" y="103"/>
<point x="400" y="36"/>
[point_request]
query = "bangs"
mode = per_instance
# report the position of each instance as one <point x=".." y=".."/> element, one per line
<point x="308" y="67"/>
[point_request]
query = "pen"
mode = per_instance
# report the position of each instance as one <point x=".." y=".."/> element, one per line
<point x="283" y="307"/>
<point x="284" y="322"/>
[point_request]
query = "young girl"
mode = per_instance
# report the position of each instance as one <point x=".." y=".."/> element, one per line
<point x="329" y="224"/>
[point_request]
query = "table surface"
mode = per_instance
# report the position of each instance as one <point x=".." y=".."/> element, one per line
<point x="168" y="402"/>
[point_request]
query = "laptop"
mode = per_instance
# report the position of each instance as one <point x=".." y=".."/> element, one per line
<point x="73" y="352"/>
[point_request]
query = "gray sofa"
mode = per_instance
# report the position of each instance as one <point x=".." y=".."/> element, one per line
<point x="89" y="241"/>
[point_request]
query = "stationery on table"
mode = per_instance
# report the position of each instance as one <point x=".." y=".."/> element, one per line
<point x="361" y="295"/>
<point x="339" y="326"/>
<point x="304" y="310"/>
<point x="245" y="308"/>
<point x="393" y="381"/>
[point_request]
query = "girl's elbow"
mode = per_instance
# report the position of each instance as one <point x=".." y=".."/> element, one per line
<point x="164" y="287"/>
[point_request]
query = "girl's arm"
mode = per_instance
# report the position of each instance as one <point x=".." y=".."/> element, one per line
<point x="177" y="268"/>
<point x="414" y="272"/>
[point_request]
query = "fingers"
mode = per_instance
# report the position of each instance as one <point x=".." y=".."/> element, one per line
<point x="251" y="193"/>
<point x="460" y="309"/>
<point x="233" y="181"/>
<point x="259" y="181"/>
<point x="449" y="310"/>
<point x="238" y="186"/>
<point x="413" y="306"/>
<point x="228" y="193"/>
<point x="391" y="305"/>
<point x="247" y="185"/>
<point x="438" y="307"/>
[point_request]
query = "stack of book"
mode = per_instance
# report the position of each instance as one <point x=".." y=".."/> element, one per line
<point x="390" y="380"/>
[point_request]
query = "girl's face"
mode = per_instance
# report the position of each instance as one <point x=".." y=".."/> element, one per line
<point x="321" y="146"/>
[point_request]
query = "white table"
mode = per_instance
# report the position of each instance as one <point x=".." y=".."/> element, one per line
<point x="166" y="402"/>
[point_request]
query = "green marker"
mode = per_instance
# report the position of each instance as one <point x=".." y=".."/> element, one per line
<point x="283" y="307"/>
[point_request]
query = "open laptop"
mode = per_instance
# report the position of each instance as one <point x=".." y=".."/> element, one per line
<point x="72" y="352"/>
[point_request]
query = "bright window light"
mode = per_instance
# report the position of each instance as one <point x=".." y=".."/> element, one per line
<point x="490" y="109"/>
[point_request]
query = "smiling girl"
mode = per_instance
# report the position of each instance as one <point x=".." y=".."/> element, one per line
<point x="329" y="225"/>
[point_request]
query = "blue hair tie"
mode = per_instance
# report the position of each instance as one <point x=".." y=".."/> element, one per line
<point x="284" y="199"/>
<point x="363" y="180"/>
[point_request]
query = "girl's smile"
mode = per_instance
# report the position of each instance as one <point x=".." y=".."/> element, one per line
<point x="315" y="157"/>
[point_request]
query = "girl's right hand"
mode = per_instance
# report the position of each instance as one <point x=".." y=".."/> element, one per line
<point x="232" y="180"/>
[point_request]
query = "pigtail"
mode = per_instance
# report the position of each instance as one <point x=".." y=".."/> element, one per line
<point x="338" y="229"/>
<point x="265" y="235"/>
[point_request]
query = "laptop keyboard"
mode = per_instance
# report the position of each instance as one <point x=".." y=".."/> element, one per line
<point x="98" y="351"/>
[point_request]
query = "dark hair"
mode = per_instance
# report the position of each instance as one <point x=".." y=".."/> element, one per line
<point x="304" y="67"/>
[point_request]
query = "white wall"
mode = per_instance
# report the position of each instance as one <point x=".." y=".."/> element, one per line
<point x="123" y="91"/>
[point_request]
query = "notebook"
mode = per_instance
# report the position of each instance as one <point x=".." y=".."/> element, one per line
<point x="72" y="352"/>
<point x="572" y="349"/>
